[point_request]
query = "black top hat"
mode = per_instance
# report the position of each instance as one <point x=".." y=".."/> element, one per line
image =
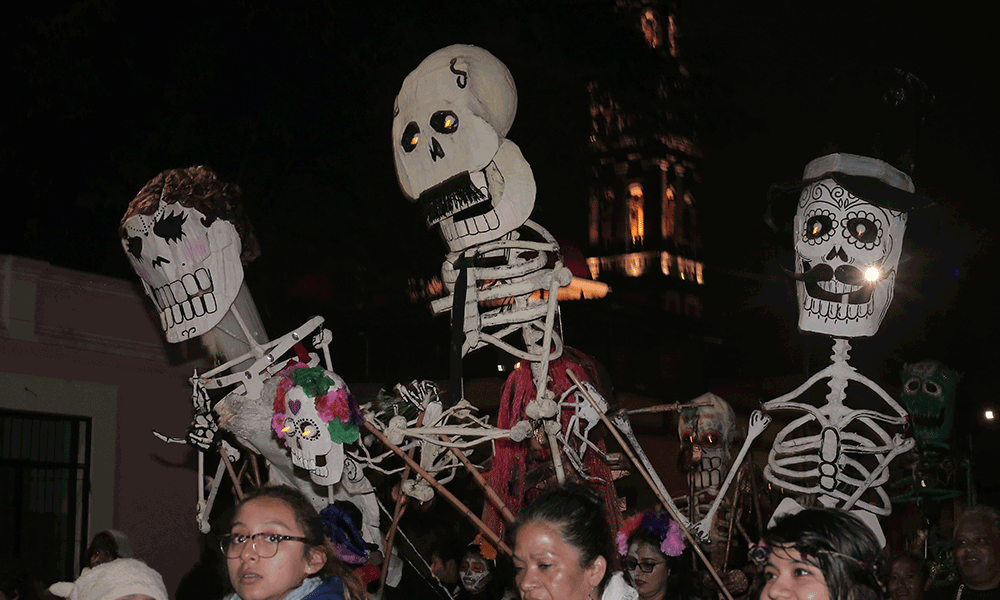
<point x="868" y="129"/>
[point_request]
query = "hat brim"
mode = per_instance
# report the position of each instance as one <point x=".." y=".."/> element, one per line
<point x="782" y="198"/>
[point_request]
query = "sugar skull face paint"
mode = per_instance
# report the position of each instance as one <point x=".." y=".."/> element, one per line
<point x="474" y="573"/>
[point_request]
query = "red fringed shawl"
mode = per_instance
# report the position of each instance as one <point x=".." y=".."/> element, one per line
<point x="513" y="459"/>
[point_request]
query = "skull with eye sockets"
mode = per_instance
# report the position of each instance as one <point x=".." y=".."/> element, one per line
<point x="707" y="431"/>
<point x="448" y="128"/>
<point x="929" y="396"/>
<point x="315" y="413"/>
<point x="187" y="238"/>
<point x="847" y="251"/>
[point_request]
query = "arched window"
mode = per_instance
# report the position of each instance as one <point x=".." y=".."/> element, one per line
<point x="636" y="223"/>
<point x="651" y="28"/>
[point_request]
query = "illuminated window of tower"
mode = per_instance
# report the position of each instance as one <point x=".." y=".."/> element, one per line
<point x="672" y="33"/>
<point x="669" y="210"/>
<point x="636" y="226"/>
<point x="651" y="28"/>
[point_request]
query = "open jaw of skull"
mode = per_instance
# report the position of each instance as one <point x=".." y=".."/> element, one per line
<point x="192" y="271"/>
<point x="312" y="411"/>
<point x="448" y="128"/>
<point x="708" y="433"/>
<point x="847" y="251"/>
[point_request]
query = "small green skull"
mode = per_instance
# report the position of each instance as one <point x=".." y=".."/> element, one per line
<point x="929" y="397"/>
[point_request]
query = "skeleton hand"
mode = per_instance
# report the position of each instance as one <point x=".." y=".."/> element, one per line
<point x="758" y="423"/>
<point x="202" y="430"/>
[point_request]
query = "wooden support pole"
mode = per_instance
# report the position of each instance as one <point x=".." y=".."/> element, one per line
<point x="232" y="474"/>
<point x="462" y="508"/>
<point x="642" y="471"/>
<point x="491" y="494"/>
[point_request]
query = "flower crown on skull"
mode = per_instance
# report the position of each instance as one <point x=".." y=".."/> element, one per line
<point x="667" y="530"/>
<point x="336" y="407"/>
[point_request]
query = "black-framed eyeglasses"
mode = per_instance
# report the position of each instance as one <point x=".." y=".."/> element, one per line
<point x="645" y="566"/>
<point x="264" y="544"/>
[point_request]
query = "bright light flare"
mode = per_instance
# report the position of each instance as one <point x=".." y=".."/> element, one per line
<point x="872" y="274"/>
<point x="989" y="414"/>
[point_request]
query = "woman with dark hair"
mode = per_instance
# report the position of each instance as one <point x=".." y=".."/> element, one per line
<point x="278" y="549"/>
<point x="819" y="554"/>
<point x="652" y="544"/>
<point x="563" y="549"/>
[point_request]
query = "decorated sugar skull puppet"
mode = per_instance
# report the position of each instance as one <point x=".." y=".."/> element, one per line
<point x="316" y="415"/>
<point x="848" y="232"/>
<point x="929" y="397"/>
<point x="933" y="468"/>
<point x="187" y="237"/>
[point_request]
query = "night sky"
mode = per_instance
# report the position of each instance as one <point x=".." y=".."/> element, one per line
<point x="293" y="101"/>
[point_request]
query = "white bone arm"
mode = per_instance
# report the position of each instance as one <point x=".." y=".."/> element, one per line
<point x="758" y="423"/>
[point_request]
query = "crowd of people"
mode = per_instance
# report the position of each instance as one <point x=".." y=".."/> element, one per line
<point x="278" y="547"/>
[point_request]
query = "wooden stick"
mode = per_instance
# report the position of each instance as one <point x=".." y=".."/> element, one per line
<point x="390" y="536"/>
<point x="665" y="407"/>
<point x="490" y="535"/>
<point x="490" y="492"/>
<point x="232" y="474"/>
<point x="645" y="475"/>
<point x="256" y="469"/>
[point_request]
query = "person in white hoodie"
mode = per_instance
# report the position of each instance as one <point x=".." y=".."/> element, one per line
<point x="121" y="579"/>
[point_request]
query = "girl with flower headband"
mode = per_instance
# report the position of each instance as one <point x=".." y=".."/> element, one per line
<point x="651" y="543"/>
<point x="819" y="554"/>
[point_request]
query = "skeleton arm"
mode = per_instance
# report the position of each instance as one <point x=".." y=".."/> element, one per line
<point x="758" y="423"/>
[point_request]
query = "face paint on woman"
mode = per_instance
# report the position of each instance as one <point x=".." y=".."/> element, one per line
<point x="474" y="573"/>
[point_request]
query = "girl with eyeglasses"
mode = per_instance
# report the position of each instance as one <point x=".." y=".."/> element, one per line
<point x="651" y="543"/>
<point x="278" y="549"/>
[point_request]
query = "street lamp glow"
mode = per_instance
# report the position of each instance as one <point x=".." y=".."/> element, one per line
<point x="989" y="414"/>
<point x="872" y="274"/>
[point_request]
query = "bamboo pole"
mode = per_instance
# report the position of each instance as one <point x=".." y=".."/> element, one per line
<point x="232" y="474"/>
<point x="390" y="536"/>
<point x="645" y="475"/>
<point x="491" y="494"/>
<point x="462" y="508"/>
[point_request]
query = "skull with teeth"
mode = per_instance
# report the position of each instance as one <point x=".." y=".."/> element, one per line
<point x="316" y="414"/>
<point x="929" y="396"/>
<point x="187" y="238"/>
<point x="448" y="128"/>
<point x="707" y="431"/>
<point x="847" y="251"/>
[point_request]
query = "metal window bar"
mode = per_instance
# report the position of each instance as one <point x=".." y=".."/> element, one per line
<point x="45" y="491"/>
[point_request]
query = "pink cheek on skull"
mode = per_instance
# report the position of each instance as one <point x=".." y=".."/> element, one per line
<point x="195" y="249"/>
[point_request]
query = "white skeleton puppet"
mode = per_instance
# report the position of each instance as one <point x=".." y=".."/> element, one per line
<point x="187" y="237"/>
<point x="847" y="251"/>
<point x="449" y="125"/>
<point x="441" y="431"/>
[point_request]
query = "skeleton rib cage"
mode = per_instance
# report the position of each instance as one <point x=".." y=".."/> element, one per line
<point x="830" y="463"/>
<point x="509" y="289"/>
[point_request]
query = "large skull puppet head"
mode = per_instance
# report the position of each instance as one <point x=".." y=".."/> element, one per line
<point x="448" y="128"/>
<point x="316" y="414"/>
<point x="187" y="238"/>
<point x="929" y="396"/>
<point x="847" y="251"/>
<point x="707" y="431"/>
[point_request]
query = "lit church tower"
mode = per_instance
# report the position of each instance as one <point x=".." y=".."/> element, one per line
<point x="644" y="168"/>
